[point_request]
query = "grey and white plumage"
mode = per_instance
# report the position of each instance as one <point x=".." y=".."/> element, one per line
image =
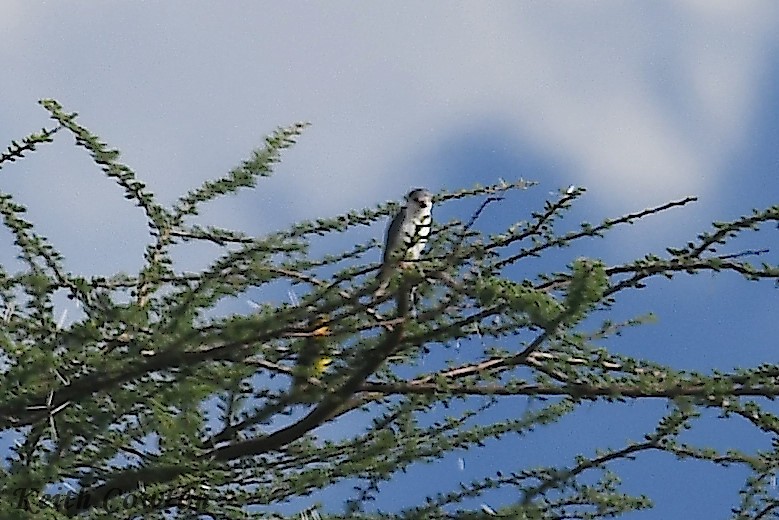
<point x="407" y="234"/>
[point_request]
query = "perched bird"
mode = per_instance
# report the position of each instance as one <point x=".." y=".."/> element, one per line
<point x="407" y="235"/>
<point x="314" y="356"/>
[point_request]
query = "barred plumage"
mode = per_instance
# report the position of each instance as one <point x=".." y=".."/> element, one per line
<point x="407" y="235"/>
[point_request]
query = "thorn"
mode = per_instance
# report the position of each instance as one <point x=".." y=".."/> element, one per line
<point x="61" y="321"/>
<point x="9" y="311"/>
<point x="487" y="509"/>
<point x="53" y="426"/>
<point x="293" y="297"/>
<point x="60" y="407"/>
<point x="61" y="378"/>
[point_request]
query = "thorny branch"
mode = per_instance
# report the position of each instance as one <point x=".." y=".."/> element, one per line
<point x="174" y="343"/>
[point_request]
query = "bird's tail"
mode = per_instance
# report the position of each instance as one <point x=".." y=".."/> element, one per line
<point x="384" y="276"/>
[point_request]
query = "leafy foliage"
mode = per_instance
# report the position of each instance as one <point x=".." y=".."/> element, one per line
<point x="153" y="405"/>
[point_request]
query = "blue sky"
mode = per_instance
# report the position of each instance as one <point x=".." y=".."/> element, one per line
<point x="640" y="102"/>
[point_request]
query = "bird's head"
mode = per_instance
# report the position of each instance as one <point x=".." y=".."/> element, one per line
<point x="419" y="199"/>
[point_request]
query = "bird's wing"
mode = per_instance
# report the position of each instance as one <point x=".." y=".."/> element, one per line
<point x="394" y="236"/>
<point x="392" y="241"/>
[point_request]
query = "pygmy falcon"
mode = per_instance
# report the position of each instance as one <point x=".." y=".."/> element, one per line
<point x="407" y="235"/>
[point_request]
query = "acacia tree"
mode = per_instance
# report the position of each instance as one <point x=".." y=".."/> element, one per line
<point x="152" y="405"/>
